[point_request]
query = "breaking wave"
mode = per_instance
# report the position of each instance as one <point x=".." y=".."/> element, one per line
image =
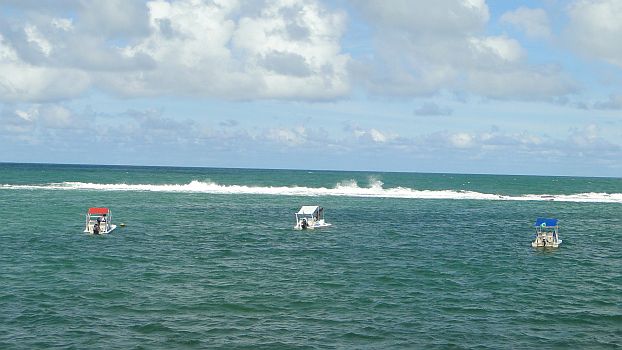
<point x="348" y="188"/>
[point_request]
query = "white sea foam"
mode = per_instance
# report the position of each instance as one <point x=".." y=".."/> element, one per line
<point x="347" y="188"/>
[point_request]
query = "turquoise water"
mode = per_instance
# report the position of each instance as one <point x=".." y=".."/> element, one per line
<point x="208" y="259"/>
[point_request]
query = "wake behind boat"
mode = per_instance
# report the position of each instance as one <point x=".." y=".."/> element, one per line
<point x="310" y="217"/>
<point x="99" y="221"/>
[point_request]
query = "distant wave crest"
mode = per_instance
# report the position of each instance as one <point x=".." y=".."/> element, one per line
<point x="348" y="188"/>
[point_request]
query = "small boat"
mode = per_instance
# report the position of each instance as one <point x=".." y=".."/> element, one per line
<point x="310" y="217"/>
<point x="547" y="233"/>
<point x="99" y="221"/>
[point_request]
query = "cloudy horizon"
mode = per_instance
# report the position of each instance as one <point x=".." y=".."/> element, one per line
<point x="462" y="86"/>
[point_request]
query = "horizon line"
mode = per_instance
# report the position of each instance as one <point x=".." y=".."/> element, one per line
<point x="300" y="169"/>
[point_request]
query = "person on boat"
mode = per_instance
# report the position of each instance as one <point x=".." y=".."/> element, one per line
<point x="96" y="229"/>
<point x="100" y="220"/>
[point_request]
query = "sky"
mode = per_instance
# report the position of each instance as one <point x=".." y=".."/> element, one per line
<point x="459" y="86"/>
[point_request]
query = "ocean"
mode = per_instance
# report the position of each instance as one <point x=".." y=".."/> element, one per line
<point x="208" y="259"/>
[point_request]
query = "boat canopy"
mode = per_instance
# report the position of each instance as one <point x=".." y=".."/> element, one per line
<point x="308" y="209"/>
<point x="544" y="222"/>
<point x="99" y="211"/>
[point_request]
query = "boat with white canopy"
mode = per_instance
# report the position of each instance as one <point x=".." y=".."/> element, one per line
<point x="310" y="217"/>
<point x="547" y="233"/>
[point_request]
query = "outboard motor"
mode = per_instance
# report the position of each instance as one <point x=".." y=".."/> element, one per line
<point x="304" y="224"/>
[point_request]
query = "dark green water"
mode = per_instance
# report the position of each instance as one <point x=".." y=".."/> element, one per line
<point x="216" y="264"/>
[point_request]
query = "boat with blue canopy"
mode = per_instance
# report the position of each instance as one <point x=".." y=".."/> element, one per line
<point x="547" y="233"/>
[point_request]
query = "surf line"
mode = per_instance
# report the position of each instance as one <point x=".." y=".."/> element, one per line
<point x="344" y="189"/>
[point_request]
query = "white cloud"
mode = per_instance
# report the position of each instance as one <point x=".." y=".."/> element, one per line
<point x="533" y="22"/>
<point x="588" y="135"/>
<point x="283" y="49"/>
<point x="371" y="136"/>
<point x="59" y="117"/>
<point x="378" y="136"/>
<point x="498" y="48"/>
<point x="28" y="116"/>
<point x="291" y="137"/>
<point x="34" y="36"/>
<point x="76" y="35"/>
<point x="277" y="49"/>
<point x="17" y="123"/>
<point x="423" y="50"/>
<point x="142" y="136"/>
<point x="513" y="148"/>
<point x="290" y="49"/>
<point x="65" y="24"/>
<point x="461" y="140"/>
<point x="44" y="116"/>
<point x="22" y="81"/>
<point x="595" y="29"/>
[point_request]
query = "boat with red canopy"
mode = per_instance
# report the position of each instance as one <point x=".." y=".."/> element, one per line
<point x="99" y="221"/>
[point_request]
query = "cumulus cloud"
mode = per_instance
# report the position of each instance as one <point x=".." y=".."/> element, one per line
<point x="291" y="64"/>
<point x="148" y="135"/>
<point x="22" y="81"/>
<point x="278" y="49"/>
<point x="493" y="144"/>
<point x="16" y="121"/>
<point x="289" y="49"/>
<point x="461" y="140"/>
<point x="378" y="136"/>
<point x="87" y="35"/>
<point x="58" y="117"/>
<point x="497" y="48"/>
<point x="290" y="137"/>
<point x="496" y="143"/>
<point x="533" y="22"/>
<point x="45" y="55"/>
<point x="44" y="116"/>
<point x="595" y="29"/>
<point x="367" y="136"/>
<point x="585" y="136"/>
<point x="283" y="49"/>
<point x="422" y="50"/>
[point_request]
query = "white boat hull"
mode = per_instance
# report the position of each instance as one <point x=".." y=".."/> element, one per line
<point x="111" y="228"/>
<point x="545" y="243"/>
<point x="312" y="226"/>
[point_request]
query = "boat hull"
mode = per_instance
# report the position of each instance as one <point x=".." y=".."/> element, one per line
<point x="312" y="227"/>
<point x="546" y="244"/>
<point x="110" y="229"/>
